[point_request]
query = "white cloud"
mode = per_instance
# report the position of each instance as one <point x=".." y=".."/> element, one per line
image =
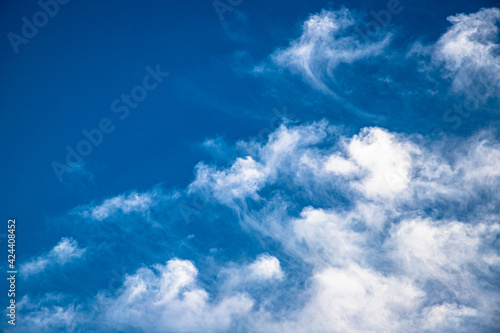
<point x="375" y="164"/>
<point x="126" y="204"/>
<point x="326" y="238"/>
<point x="382" y="232"/>
<point x="40" y="316"/>
<point x="451" y="252"/>
<point x="264" y="269"/>
<point x="371" y="253"/>
<point x="387" y="161"/>
<point x="446" y="316"/>
<point x="456" y="256"/>
<point x="424" y="254"/>
<point x="468" y="54"/>
<point x="168" y="298"/>
<point x="355" y="299"/>
<point x="340" y="166"/>
<point x="327" y="40"/>
<point x="244" y="178"/>
<point x="64" y="252"/>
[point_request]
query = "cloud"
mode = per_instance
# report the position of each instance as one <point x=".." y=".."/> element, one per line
<point x="446" y="316"/>
<point x="340" y="165"/>
<point x="40" y="315"/>
<point x="264" y="269"/>
<point x="247" y="175"/>
<point x="441" y="250"/>
<point x="353" y="299"/>
<point x="388" y="175"/>
<point x="327" y="238"/>
<point x="243" y="179"/>
<point x="125" y="204"/>
<point x="168" y="298"/>
<point x="456" y="254"/>
<point x="406" y="244"/>
<point x="382" y="231"/>
<point x="467" y="54"/>
<point x="455" y="257"/>
<point x="64" y="252"/>
<point x="327" y="41"/>
<point x="375" y="230"/>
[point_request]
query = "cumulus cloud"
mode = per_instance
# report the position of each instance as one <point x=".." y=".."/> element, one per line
<point x="243" y="179"/>
<point x="386" y="232"/>
<point x="247" y="175"/>
<point x="64" y="252"/>
<point x="327" y="41"/>
<point x="291" y="152"/>
<point x="425" y="272"/>
<point x="354" y="299"/>
<point x="388" y="175"/>
<point x="326" y="238"/>
<point x="441" y="250"/>
<point x="168" y="298"/>
<point x="265" y="268"/>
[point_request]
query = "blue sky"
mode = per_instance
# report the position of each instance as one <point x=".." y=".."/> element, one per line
<point x="252" y="166"/>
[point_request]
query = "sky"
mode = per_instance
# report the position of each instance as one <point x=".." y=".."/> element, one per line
<point x="251" y="166"/>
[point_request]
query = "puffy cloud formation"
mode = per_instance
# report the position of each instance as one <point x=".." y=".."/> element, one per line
<point x="64" y="252"/>
<point x="290" y="152"/>
<point x="402" y="237"/>
<point x="353" y="299"/>
<point x="327" y="40"/>
<point x="264" y="269"/>
<point x="389" y="175"/>
<point x="168" y="298"/>
<point x="390" y="232"/>
<point x="242" y="179"/>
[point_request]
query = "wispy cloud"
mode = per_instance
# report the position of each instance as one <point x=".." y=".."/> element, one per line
<point x="64" y="252"/>
<point x="467" y="55"/>
<point x="126" y="204"/>
<point x="469" y="52"/>
<point x="327" y="40"/>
